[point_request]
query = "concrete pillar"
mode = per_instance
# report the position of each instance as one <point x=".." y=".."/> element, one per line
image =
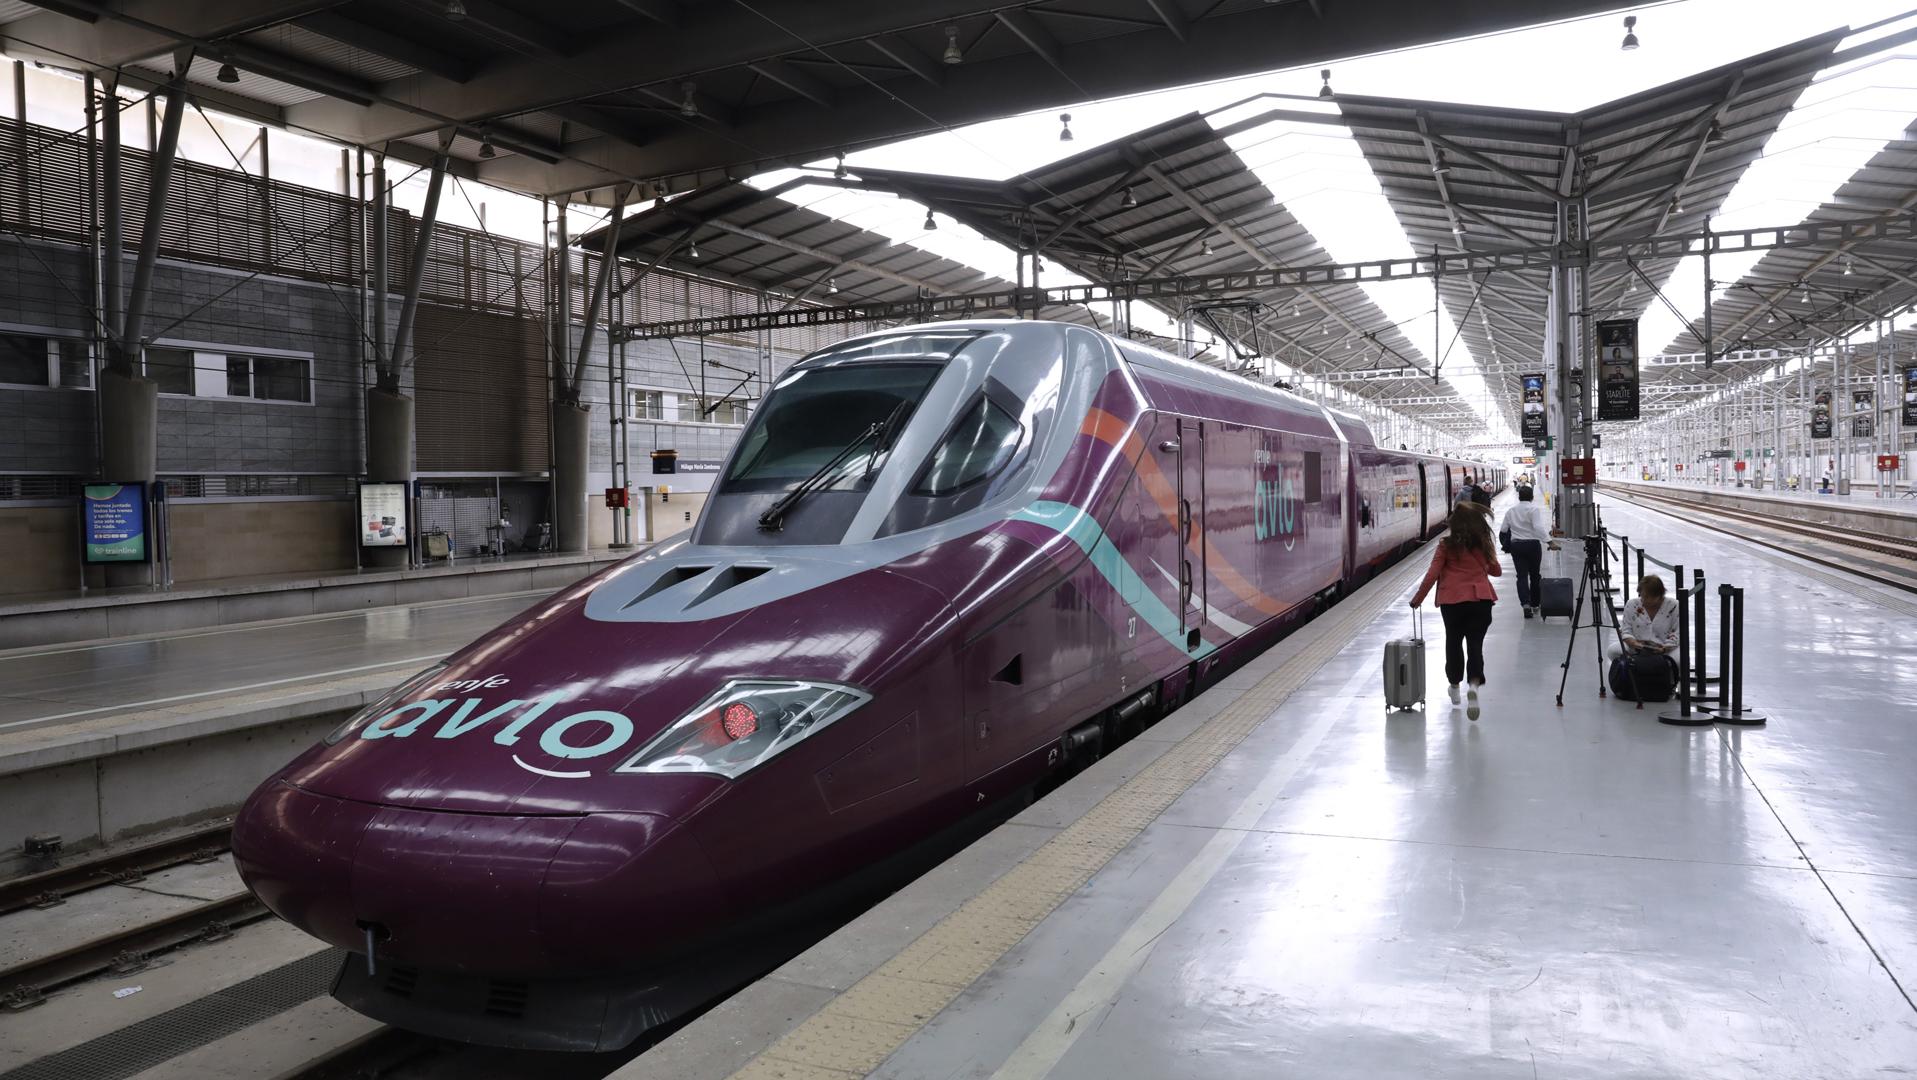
<point x="571" y="440"/>
<point x="389" y="457"/>
<point x="129" y="410"/>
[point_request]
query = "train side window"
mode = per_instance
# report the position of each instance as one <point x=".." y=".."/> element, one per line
<point x="978" y="446"/>
<point x="1314" y="476"/>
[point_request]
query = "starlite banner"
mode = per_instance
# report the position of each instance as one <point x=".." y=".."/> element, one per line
<point x="1617" y="369"/>
<point x="1532" y="426"/>
<point x="1863" y="416"/>
<point x="1910" y="397"/>
<point x="1820" y="414"/>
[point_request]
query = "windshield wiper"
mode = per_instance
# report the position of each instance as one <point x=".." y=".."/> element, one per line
<point x="774" y="517"/>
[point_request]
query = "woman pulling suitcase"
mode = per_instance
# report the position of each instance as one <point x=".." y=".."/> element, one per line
<point x="1462" y="569"/>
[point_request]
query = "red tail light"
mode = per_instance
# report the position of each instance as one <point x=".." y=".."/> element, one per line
<point x="739" y="721"/>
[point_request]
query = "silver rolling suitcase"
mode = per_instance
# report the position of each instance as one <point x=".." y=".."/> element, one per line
<point x="1404" y="667"/>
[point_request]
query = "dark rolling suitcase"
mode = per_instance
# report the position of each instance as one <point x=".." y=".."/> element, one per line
<point x="1554" y="597"/>
<point x="1404" y="667"/>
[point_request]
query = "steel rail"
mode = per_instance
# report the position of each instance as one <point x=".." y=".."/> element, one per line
<point x="50" y="887"/>
<point x="27" y="982"/>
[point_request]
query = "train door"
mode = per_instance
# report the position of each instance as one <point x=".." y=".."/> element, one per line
<point x="1424" y="505"/>
<point x="1191" y="523"/>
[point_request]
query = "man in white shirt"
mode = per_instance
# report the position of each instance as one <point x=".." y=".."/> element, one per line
<point x="1530" y="527"/>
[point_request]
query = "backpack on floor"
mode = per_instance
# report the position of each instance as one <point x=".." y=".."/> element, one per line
<point x="1643" y="677"/>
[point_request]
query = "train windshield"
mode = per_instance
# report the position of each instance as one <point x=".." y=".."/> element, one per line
<point x="815" y="413"/>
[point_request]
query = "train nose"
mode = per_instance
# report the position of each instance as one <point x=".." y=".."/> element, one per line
<point x="507" y="895"/>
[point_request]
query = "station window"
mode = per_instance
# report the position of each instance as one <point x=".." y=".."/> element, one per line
<point x="685" y="408"/>
<point x="278" y="378"/>
<point x="646" y="405"/>
<point x="35" y="360"/>
<point x="171" y="368"/>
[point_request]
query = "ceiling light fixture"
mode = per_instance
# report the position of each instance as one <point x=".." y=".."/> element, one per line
<point x="692" y="249"/>
<point x="1443" y="167"/>
<point x="1630" y="33"/>
<point x="1064" y="127"/>
<point x="1130" y="199"/>
<point x="1207" y="246"/>
<point x="228" y="73"/>
<point x="1715" y="134"/>
<point x="688" y="108"/>
<point x="1850" y="266"/>
<point x="838" y="173"/>
<point x="953" y="54"/>
<point x="455" y="10"/>
<point x="1324" y="92"/>
<point x="931" y="223"/>
<point x="832" y="285"/>
<point x="485" y="147"/>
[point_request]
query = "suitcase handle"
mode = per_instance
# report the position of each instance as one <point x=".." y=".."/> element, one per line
<point x="1417" y="624"/>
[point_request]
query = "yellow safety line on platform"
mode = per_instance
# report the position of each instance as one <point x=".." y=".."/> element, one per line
<point x="853" y="1033"/>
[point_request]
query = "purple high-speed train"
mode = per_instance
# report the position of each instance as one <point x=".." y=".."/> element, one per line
<point x="942" y="564"/>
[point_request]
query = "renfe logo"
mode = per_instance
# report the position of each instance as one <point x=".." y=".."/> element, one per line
<point x="588" y="734"/>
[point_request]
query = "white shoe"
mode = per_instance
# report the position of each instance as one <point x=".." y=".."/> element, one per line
<point x="1471" y="710"/>
<point x="1454" y="693"/>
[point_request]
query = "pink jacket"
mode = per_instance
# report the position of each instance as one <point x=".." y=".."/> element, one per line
<point x="1460" y="577"/>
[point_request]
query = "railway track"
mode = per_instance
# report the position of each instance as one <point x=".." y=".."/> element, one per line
<point x="25" y="984"/>
<point x="1901" y="555"/>
<point x="49" y="888"/>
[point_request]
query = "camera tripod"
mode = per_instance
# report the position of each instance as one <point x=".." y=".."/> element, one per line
<point x="1595" y="582"/>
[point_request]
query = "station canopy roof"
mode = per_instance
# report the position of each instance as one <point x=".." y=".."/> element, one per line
<point x="1176" y="199"/>
<point x="576" y="96"/>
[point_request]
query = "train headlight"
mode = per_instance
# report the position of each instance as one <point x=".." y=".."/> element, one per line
<point x="387" y="701"/>
<point x="746" y="723"/>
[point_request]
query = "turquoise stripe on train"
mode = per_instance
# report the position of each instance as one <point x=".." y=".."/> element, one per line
<point x="1078" y="527"/>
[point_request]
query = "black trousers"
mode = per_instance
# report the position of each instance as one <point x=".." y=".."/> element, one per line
<point x="1527" y="556"/>
<point x="1464" y="628"/>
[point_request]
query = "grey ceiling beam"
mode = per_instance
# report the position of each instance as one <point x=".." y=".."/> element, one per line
<point x="352" y="32"/>
<point x="663" y="12"/>
<point x="1174" y="19"/>
<point x="1526" y="182"/>
<point x="513" y="29"/>
<point x="800" y="83"/>
<point x="1036" y="38"/>
<point x="905" y="55"/>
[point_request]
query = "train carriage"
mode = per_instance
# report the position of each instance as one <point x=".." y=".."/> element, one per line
<point x="942" y="564"/>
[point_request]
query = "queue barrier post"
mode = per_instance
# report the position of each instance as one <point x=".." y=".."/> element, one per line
<point x="1700" y="645"/>
<point x="1736" y="713"/>
<point x="1683" y="716"/>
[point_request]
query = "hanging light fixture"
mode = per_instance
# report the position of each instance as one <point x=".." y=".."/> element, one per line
<point x="455" y="10"/>
<point x="1130" y="199"/>
<point x="1715" y="134"/>
<point x="1443" y="167"/>
<point x="1325" y="331"/>
<point x="832" y="285"/>
<point x="931" y="223"/>
<point x="1850" y="266"/>
<point x="1324" y="92"/>
<point x="953" y="54"/>
<point x="1064" y="127"/>
<point x="228" y="73"/>
<point x="692" y="249"/>
<point x="1630" y="33"/>
<point x="485" y="147"/>
<point x="838" y="173"/>
<point x="1770" y="316"/>
<point x="1207" y="246"/>
<point x="688" y="108"/>
<point x="1296" y="309"/>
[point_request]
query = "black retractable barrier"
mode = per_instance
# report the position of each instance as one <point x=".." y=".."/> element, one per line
<point x="1700" y="646"/>
<point x="1683" y="717"/>
<point x="1735" y="712"/>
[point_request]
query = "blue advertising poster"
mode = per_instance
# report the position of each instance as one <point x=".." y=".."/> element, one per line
<point x="113" y="522"/>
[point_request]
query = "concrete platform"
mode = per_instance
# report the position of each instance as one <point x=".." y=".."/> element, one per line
<point x="1892" y="517"/>
<point x="113" y="739"/>
<point x="1283" y="880"/>
<point x="98" y="614"/>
